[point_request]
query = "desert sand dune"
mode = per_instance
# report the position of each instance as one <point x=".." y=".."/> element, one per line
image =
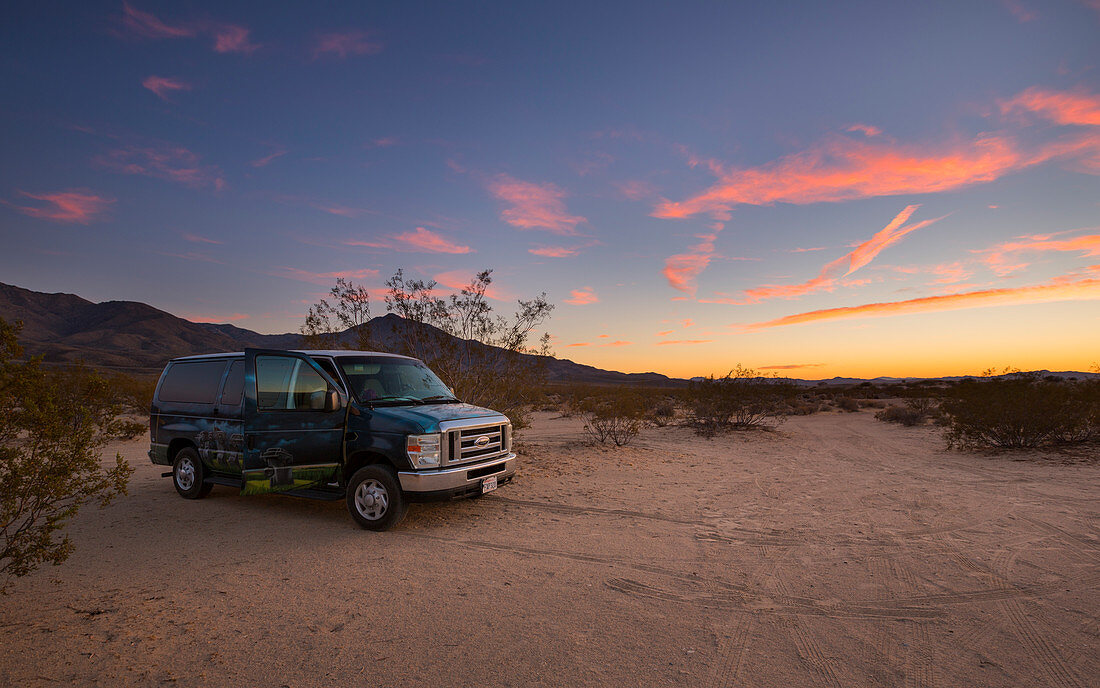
<point x="837" y="551"/>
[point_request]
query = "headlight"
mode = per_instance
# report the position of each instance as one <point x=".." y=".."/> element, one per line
<point x="423" y="450"/>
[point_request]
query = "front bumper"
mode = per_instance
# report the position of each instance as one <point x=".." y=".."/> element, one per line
<point x="460" y="481"/>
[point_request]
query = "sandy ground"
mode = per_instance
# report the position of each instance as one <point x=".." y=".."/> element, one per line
<point x="838" y="551"/>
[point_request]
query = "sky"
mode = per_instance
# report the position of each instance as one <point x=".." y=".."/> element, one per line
<point x="809" y="189"/>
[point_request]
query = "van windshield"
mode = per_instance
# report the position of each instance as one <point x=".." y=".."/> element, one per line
<point x="383" y="380"/>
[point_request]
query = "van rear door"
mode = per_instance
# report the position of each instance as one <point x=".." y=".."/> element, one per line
<point x="294" y="434"/>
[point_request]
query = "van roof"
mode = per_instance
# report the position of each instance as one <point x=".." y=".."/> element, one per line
<point x="335" y="353"/>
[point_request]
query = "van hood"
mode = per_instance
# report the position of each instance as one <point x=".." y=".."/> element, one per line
<point x="429" y="417"/>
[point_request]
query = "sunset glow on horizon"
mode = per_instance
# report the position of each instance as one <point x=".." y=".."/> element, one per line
<point x="846" y="190"/>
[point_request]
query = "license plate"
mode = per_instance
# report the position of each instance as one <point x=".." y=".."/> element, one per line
<point x="488" y="485"/>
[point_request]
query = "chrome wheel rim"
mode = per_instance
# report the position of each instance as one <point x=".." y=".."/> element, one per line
<point x="185" y="474"/>
<point x="371" y="500"/>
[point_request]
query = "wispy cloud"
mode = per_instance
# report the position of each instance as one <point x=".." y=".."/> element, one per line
<point x="582" y="297"/>
<point x="843" y="168"/>
<point x="865" y="129"/>
<point x="554" y="251"/>
<point x="323" y="278"/>
<point x="1002" y="259"/>
<point x="635" y="189"/>
<point x="684" y="341"/>
<point x="343" y="44"/>
<point x="792" y="366"/>
<point x="427" y="241"/>
<point x="163" y="161"/>
<point x="269" y="158"/>
<point x="683" y="269"/>
<point x="833" y="273"/>
<point x="1061" y="107"/>
<point x="195" y="238"/>
<point x="228" y="38"/>
<point x="146" y="25"/>
<point x="1021" y="12"/>
<point x="163" y="86"/>
<point x="1065" y="288"/>
<point x="534" y="206"/>
<point x="76" y="206"/>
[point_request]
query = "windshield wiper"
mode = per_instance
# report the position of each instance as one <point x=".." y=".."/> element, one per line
<point x="441" y="399"/>
<point x="396" y="399"/>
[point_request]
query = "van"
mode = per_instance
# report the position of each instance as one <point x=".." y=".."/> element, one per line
<point x="377" y="430"/>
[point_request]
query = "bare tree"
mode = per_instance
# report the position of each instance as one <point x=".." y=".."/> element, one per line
<point x="349" y="312"/>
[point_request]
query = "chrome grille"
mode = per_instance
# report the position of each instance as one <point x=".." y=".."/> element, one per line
<point x="476" y="443"/>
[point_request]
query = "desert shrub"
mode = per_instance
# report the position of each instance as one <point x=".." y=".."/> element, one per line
<point x="53" y="424"/>
<point x="872" y="403"/>
<point x="847" y="404"/>
<point x="1021" y="411"/>
<point x="741" y="400"/>
<point x="134" y="394"/>
<point x="484" y="357"/>
<point x="661" y="412"/>
<point x="616" y="416"/>
<point x="900" y="414"/>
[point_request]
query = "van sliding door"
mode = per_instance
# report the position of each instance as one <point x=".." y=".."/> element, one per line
<point x="292" y="441"/>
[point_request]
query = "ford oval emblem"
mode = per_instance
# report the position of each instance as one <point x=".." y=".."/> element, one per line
<point x="481" y="441"/>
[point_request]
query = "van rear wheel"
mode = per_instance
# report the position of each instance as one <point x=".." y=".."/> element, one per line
<point x="188" y="475"/>
<point x="374" y="498"/>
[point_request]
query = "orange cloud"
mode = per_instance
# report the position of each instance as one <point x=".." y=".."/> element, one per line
<point x="460" y="279"/>
<point x="665" y="333"/>
<point x="163" y="161"/>
<point x="534" y="206"/>
<point x="833" y="272"/>
<point x="1060" y="107"/>
<point x="843" y="168"/>
<point x="865" y="129"/>
<point x="998" y="258"/>
<point x="1066" y="288"/>
<point x="685" y="341"/>
<point x="74" y="206"/>
<point x="792" y="366"/>
<point x="682" y="270"/>
<point x="582" y="297"/>
<point x="162" y="86"/>
<point x="345" y="43"/>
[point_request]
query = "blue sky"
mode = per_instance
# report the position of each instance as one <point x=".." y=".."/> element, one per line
<point x="834" y="188"/>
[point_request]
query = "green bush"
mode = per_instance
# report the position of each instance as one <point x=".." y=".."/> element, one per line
<point x="1021" y="411"/>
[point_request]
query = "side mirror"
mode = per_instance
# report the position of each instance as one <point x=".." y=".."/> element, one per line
<point x="332" y="400"/>
<point x="324" y="400"/>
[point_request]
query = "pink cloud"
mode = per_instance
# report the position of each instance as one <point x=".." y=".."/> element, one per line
<point x="534" y="206"/>
<point x="146" y="25"/>
<point x="806" y="250"/>
<point x="1001" y="258"/>
<point x="1023" y="14"/>
<point x="163" y="161"/>
<point x="865" y="129"/>
<point x="682" y="270"/>
<point x="458" y="280"/>
<point x="427" y="241"/>
<point x="1061" y="107"/>
<point x="582" y="297"/>
<point x="77" y="206"/>
<point x="163" y="86"/>
<point x="832" y="273"/>
<point x="636" y="190"/>
<point x="843" y="169"/>
<point x="385" y="142"/>
<point x="554" y="251"/>
<point x="343" y="44"/>
<point x="267" y="159"/>
<point x="665" y="333"/>
<point x="232" y="39"/>
<point x="201" y="239"/>
<point x="1064" y="288"/>
<point x="323" y="278"/>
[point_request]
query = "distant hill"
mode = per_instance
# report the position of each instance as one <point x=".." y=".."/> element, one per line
<point x="136" y="337"/>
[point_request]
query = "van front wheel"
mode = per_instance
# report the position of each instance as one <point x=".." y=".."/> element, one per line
<point x="374" y="498"/>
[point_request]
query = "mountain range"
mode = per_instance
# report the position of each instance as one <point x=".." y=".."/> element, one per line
<point x="138" y="338"/>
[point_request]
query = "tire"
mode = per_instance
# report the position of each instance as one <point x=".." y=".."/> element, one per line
<point x="188" y="474"/>
<point x="374" y="498"/>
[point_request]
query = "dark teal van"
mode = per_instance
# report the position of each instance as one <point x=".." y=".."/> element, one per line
<point x="377" y="430"/>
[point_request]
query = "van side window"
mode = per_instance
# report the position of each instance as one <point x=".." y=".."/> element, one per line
<point x="192" y="382"/>
<point x="329" y="367"/>
<point x="287" y="384"/>
<point x="234" y="385"/>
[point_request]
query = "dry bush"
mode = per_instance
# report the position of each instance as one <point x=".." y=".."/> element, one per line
<point x="1021" y="411"/>
<point x="616" y="416"/>
<point x="900" y="414"/>
<point x="661" y="412"/>
<point x="872" y="403"/>
<point x="847" y="404"/>
<point x="741" y="400"/>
